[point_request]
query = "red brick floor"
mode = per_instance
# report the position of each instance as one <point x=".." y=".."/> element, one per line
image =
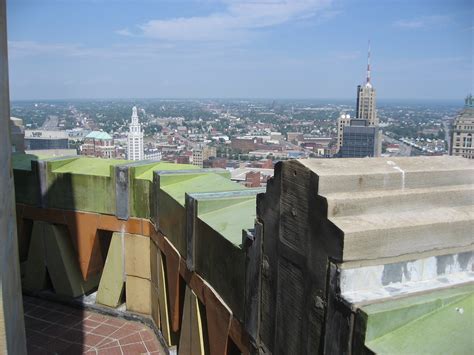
<point x="52" y="328"/>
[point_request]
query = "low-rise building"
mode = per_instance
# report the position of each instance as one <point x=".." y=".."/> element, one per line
<point x="152" y="154"/>
<point x="360" y="140"/>
<point x="40" y="140"/>
<point x="98" y="144"/>
<point x="203" y="153"/>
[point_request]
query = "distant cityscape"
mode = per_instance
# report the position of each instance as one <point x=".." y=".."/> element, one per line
<point x="244" y="136"/>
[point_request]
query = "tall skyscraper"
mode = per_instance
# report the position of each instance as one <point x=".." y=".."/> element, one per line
<point x="135" y="138"/>
<point x="365" y="111"/>
<point x="366" y="99"/>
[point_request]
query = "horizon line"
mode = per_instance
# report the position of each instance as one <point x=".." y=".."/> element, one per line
<point x="461" y="100"/>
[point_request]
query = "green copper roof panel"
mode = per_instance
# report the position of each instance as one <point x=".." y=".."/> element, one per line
<point x="147" y="173"/>
<point x="230" y="220"/>
<point x="199" y="183"/>
<point x="439" y="322"/>
<point x="22" y="161"/>
<point x="90" y="166"/>
<point x="99" y="135"/>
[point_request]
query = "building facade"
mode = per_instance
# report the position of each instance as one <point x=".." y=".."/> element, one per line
<point x="343" y="121"/>
<point x="135" y="138"/>
<point x="98" y="144"/>
<point x="463" y="129"/>
<point x="366" y="104"/>
<point x="201" y="154"/>
<point x="360" y="140"/>
<point x="41" y="140"/>
<point x="152" y="154"/>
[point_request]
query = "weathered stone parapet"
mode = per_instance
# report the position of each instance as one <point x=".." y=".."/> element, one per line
<point x="340" y="234"/>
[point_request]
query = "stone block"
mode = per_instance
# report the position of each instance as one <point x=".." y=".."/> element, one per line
<point x="137" y="256"/>
<point x="138" y="295"/>
<point x="62" y="264"/>
<point x="111" y="284"/>
<point x="35" y="278"/>
<point x="51" y="250"/>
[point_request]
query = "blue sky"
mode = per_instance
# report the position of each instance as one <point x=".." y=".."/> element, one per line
<point x="241" y="48"/>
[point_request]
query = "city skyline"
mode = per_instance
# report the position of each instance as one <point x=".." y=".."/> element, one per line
<point x="221" y="49"/>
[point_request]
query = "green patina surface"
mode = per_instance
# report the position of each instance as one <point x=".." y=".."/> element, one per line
<point x="141" y="185"/>
<point x="85" y="184"/>
<point x="171" y="200"/>
<point x="198" y="183"/>
<point x="427" y="323"/>
<point x="146" y="173"/>
<point x="26" y="184"/>
<point x="230" y="220"/>
<point x="89" y="166"/>
<point x="23" y="161"/>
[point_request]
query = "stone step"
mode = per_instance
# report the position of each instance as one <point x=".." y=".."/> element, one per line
<point x="358" y="175"/>
<point x="391" y="235"/>
<point x="393" y="201"/>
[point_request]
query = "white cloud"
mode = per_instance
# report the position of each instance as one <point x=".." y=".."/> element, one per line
<point x="422" y="22"/>
<point x="238" y="20"/>
<point x="124" y="32"/>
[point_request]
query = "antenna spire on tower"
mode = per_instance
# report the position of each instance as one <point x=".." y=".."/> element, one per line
<point x="368" y="64"/>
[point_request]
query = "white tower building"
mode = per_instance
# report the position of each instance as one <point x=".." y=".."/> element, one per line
<point x="135" y="138"/>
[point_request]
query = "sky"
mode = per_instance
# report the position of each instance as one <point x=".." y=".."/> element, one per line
<point x="66" y="49"/>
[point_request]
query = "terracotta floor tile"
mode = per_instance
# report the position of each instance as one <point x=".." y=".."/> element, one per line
<point x="115" y="322"/>
<point x="53" y="328"/>
<point x="137" y="348"/>
<point x="152" y="345"/>
<point x="92" y="339"/>
<point x="147" y="335"/>
<point x="105" y="329"/>
<point x="98" y="317"/>
<point x="121" y="332"/>
<point x="90" y="323"/>
<point x="134" y="327"/>
<point x="71" y="321"/>
<point x="73" y="336"/>
<point x="35" y="350"/>
<point x="108" y="343"/>
<point x="111" y="351"/>
<point x="57" y="346"/>
<point x="76" y="349"/>
<point x="56" y="330"/>
<point x="37" y="324"/>
<point x="131" y="339"/>
<point x="38" y="312"/>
